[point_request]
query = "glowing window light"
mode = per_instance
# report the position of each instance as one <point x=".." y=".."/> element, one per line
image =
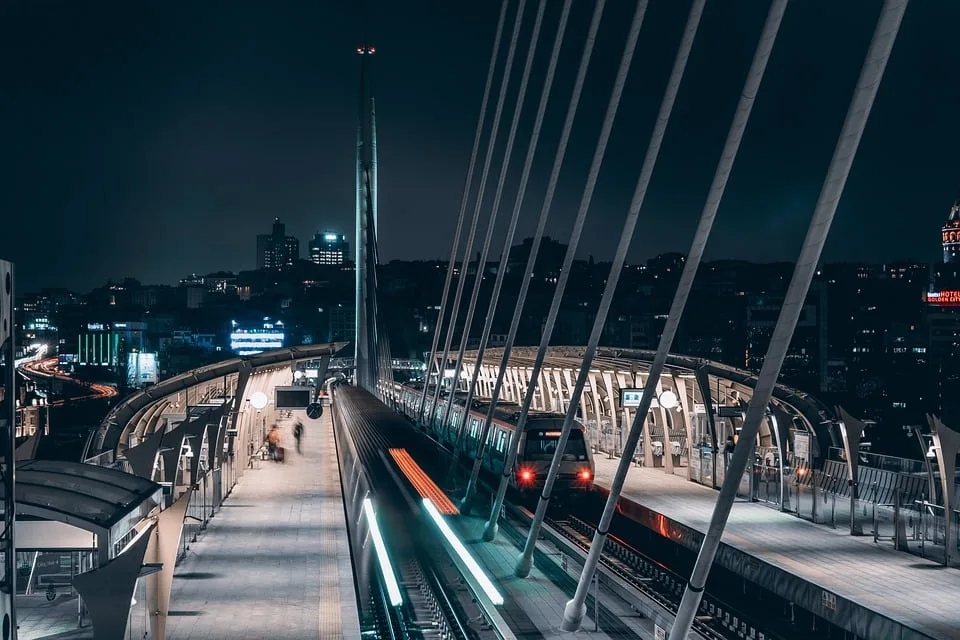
<point x="472" y="566"/>
<point x="386" y="569"/>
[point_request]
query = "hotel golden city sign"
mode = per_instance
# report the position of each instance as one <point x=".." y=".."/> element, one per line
<point x="946" y="297"/>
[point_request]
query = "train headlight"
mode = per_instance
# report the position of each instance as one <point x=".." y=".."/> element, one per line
<point x="525" y="476"/>
<point x="585" y="475"/>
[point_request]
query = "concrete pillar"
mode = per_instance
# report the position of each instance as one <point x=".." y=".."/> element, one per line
<point x="611" y="403"/>
<point x="946" y="445"/>
<point x="546" y="390"/>
<point x="851" y="430"/>
<point x="595" y="403"/>
<point x="686" y="416"/>
<point x="107" y="591"/>
<point x="163" y="547"/>
<point x="143" y="457"/>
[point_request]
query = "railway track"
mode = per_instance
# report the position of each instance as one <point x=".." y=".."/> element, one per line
<point x="644" y="575"/>
<point x="436" y="605"/>
<point x="717" y="620"/>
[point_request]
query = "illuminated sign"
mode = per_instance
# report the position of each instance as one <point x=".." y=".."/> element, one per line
<point x="247" y="343"/>
<point x="141" y="369"/>
<point x="95" y="326"/>
<point x="630" y="399"/>
<point x="330" y="237"/>
<point x="948" y="297"/>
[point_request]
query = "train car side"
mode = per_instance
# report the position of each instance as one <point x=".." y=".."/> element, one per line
<point x="537" y="444"/>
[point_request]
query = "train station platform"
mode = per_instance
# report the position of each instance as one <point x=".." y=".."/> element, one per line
<point x="275" y="561"/>
<point x="850" y="581"/>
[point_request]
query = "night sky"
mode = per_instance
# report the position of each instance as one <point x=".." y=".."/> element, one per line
<point x="155" y="139"/>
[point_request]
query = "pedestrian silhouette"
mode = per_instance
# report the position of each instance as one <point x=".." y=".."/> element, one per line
<point x="298" y="434"/>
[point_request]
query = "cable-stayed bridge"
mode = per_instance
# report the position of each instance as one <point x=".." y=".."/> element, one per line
<point x="718" y="427"/>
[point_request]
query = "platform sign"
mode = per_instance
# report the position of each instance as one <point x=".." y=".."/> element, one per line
<point x="292" y="397"/>
<point x="630" y="399"/>
<point x="734" y="411"/>
<point x="659" y="633"/>
<point x="314" y="410"/>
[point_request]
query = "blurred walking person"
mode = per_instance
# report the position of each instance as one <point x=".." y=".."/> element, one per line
<point x="297" y="434"/>
<point x="273" y="444"/>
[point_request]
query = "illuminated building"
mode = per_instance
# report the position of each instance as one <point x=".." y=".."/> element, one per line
<point x="100" y="346"/>
<point x="806" y="361"/>
<point x="329" y="247"/>
<point x="277" y="250"/>
<point x="950" y="234"/>
<point x="943" y="322"/>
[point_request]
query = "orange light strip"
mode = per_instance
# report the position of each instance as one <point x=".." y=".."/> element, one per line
<point x="426" y="487"/>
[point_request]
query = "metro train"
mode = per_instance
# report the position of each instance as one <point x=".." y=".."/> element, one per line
<point x="538" y="442"/>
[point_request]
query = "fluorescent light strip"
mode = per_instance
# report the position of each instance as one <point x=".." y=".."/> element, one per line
<point x="393" y="589"/>
<point x="461" y="550"/>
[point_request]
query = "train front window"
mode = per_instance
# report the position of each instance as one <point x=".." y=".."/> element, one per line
<point x="541" y="445"/>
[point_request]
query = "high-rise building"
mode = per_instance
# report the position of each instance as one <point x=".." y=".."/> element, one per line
<point x="277" y="250"/>
<point x="951" y="234"/>
<point x="329" y="247"/>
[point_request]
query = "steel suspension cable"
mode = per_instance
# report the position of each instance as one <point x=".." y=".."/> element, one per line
<point x="508" y="242"/>
<point x="871" y="74"/>
<point x="490" y="531"/>
<point x="616" y="269"/>
<point x="464" y="199"/>
<point x="594" y="171"/>
<point x="727" y="157"/>
<point x="491" y="145"/>
<point x="495" y="210"/>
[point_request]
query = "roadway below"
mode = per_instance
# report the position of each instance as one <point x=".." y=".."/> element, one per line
<point x="79" y="409"/>
<point x="48" y="370"/>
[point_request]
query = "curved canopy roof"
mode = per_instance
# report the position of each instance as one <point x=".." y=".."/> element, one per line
<point x="83" y="495"/>
<point x="113" y="424"/>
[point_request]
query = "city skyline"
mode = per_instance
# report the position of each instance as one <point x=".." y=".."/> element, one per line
<point x="215" y="138"/>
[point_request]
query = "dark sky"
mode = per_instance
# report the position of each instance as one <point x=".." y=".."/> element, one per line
<point x="155" y="139"/>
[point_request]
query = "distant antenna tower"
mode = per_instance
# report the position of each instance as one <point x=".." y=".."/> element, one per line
<point x="365" y="359"/>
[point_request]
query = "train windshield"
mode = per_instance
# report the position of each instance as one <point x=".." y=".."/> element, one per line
<point x="541" y="445"/>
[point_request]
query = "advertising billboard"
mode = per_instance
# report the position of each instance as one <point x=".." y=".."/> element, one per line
<point x="141" y="369"/>
<point x="253" y="341"/>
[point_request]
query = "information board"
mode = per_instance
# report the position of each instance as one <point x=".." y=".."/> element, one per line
<point x="293" y="397"/>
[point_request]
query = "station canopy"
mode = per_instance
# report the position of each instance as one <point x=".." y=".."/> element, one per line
<point x="96" y="499"/>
